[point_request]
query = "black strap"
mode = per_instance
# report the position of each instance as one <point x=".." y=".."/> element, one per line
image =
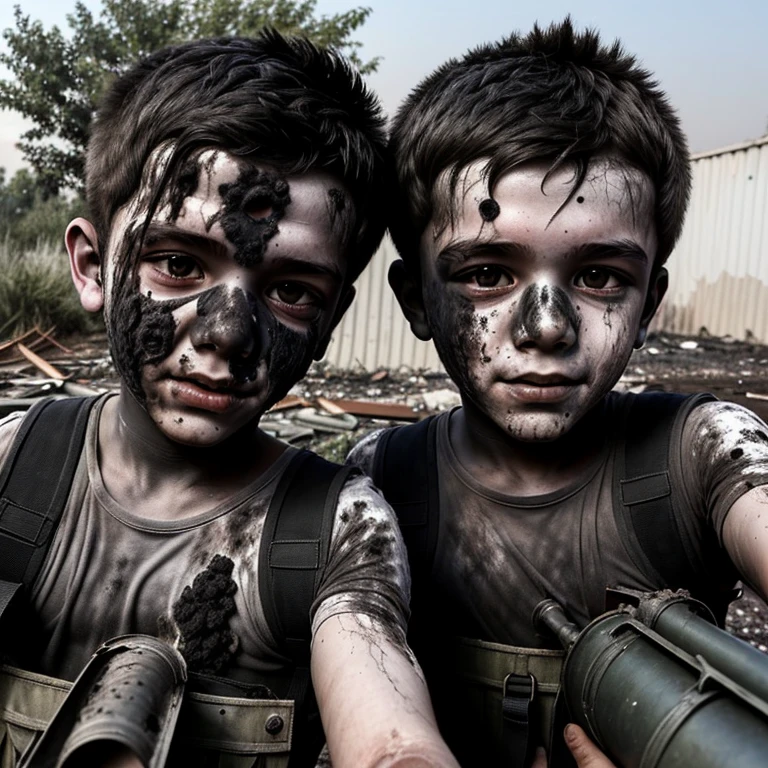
<point x="34" y="486"/>
<point x="405" y="469"/>
<point x="518" y="726"/>
<point x="294" y="547"/>
<point x="645" y="507"/>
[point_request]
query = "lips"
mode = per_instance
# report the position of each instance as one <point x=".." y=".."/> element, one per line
<point x="542" y="388"/>
<point x="205" y="394"/>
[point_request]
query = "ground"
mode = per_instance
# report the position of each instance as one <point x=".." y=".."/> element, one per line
<point x="733" y="370"/>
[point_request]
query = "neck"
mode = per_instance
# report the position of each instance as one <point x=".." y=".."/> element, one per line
<point x="499" y="461"/>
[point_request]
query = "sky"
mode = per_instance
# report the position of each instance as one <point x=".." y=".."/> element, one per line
<point x="710" y="57"/>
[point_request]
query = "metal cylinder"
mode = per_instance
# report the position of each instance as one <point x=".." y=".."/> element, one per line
<point x="643" y="703"/>
<point x="742" y="663"/>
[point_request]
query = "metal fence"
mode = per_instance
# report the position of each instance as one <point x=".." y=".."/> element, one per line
<point x="718" y="272"/>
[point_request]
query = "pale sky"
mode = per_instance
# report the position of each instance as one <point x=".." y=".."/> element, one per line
<point x="710" y="57"/>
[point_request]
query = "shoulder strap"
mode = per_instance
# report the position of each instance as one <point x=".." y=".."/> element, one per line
<point x="405" y="470"/>
<point x="644" y="506"/>
<point x="34" y="486"/>
<point x="294" y="546"/>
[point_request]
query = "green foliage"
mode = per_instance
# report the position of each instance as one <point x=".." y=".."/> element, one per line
<point x="28" y="216"/>
<point x="57" y="79"/>
<point x="36" y="289"/>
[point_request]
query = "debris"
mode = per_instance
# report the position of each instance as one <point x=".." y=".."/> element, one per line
<point x="329" y="405"/>
<point x="325" y="422"/>
<point x="374" y="410"/>
<point x="441" y="399"/>
<point x="290" y="401"/>
<point x="38" y="362"/>
<point x="379" y="375"/>
<point x="756" y="396"/>
<point x="689" y="344"/>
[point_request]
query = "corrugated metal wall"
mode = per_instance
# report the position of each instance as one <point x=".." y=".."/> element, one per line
<point x="373" y="334"/>
<point x="718" y="272"/>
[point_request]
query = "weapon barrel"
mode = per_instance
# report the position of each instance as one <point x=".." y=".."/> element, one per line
<point x="742" y="663"/>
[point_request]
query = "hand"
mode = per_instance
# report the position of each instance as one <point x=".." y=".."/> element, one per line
<point x="583" y="749"/>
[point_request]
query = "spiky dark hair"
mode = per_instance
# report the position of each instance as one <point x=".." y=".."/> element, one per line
<point x="282" y="101"/>
<point x="554" y="95"/>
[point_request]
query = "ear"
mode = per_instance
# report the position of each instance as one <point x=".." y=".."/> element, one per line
<point x="656" y="291"/>
<point x="84" y="263"/>
<point x="407" y="289"/>
<point x="344" y="303"/>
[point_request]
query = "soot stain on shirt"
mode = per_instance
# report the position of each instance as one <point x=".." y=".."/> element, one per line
<point x="202" y="615"/>
<point x="252" y="207"/>
<point x="243" y="527"/>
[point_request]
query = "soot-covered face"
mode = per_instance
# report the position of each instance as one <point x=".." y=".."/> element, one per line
<point x="535" y="310"/>
<point x="234" y="289"/>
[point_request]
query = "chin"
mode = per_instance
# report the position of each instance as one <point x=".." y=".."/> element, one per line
<point x="536" y="427"/>
<point x="198" y="431"/>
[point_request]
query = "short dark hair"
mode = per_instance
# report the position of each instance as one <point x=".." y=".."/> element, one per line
<point x="278" y="100"/>
<point x="553" y="95"/>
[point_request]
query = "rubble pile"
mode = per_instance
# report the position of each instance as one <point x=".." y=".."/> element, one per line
<point x="331" y="409"/>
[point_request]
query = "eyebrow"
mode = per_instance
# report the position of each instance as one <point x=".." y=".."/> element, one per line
<point x="460" y="251"/>
<point x="306" y="267"/>
<point x="157" y="232"/>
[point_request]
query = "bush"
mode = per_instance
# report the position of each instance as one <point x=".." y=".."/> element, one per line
<point x="36" y="289"/>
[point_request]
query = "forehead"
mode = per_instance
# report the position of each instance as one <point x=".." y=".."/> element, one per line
<point x="614" y="200"/>
<point x="317" y="212"/>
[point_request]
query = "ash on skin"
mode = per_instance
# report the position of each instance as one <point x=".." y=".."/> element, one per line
<point x="239" y="205"/>
<point x="517" y="303"/>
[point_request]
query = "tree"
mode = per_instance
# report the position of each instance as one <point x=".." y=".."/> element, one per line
<point x="58" y="79"/>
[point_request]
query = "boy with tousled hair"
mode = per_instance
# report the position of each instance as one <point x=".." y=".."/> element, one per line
<point x="540" y="185"/>
<point x="236" y="192"/>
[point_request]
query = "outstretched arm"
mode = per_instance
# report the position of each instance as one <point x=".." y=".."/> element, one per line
<point x="372" y="697"/>
<point x="745" y="535"/>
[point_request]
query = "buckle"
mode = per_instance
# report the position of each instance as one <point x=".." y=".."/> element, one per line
<point x="519" y="686"/>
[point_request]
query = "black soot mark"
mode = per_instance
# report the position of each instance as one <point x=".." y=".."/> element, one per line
<point x="252" y="207"/>
<point x="338" y="201"/>
<point x="185" y="186"/>
<point x="144" y="332"/>
<point x="737" y="453"/>
<point x="202" y="615"/>
<point x="489" y="209"/>
<point x="579" y="199"/>
<point x="539" y="303"/>
<point x="237" y="325"/>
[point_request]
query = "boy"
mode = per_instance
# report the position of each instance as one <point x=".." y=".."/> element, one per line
<point x="541" y="186"/>
<point x="235" y="192"/>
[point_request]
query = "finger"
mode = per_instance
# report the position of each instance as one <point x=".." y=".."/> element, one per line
<point x="584" y="750"/>
<point x="540" y="759"/>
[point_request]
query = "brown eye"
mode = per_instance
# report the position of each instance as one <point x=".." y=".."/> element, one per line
<point x="290" y="293"/>
<point x="180" y="266"/>
<point x="488" y="277"/>
<point x="595" y="278"/>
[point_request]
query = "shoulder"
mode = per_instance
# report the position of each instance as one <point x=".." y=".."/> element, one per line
<point x="719" y="429"/>
<point x="362" y="453"/>
<point x="9" y="426"/>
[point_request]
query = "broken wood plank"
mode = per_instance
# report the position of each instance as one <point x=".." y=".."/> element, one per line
<point x="290" y="401"/>
<point x="756" y="396"/>
<point x="372" y="410"/>
<point x="329" y="405"/>
<point x="11" y="342"/>
<point x="47" y="336"/>
<point x="39" y="363"/>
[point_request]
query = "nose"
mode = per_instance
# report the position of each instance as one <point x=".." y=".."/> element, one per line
<point x="226" y="323"/>
<point x="545" y="319"/>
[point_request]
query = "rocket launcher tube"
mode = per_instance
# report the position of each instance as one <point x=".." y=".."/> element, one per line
<point x="651" y="704"/>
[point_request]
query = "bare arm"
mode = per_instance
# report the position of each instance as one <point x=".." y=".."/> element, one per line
<point x="745" y="535"/>
<point x="373" y="701"/>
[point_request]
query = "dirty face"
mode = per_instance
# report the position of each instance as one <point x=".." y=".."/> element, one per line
<point x="535" y="310"/>
<point x="236" y="286"/>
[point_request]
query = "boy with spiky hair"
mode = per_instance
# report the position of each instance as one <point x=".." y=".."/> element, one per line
<point x="236" y="192"/>
<point x="541" y="184"/>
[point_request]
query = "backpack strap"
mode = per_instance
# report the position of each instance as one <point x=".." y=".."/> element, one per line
<point x="644" y="498"/>
<point x="405" y="469"/>
<point x="34" y="486"/>
<point x="294" y="547"/>
<point x="292" y="559"/>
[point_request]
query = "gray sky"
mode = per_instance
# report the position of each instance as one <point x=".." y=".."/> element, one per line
<point x="709" y="56"/>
